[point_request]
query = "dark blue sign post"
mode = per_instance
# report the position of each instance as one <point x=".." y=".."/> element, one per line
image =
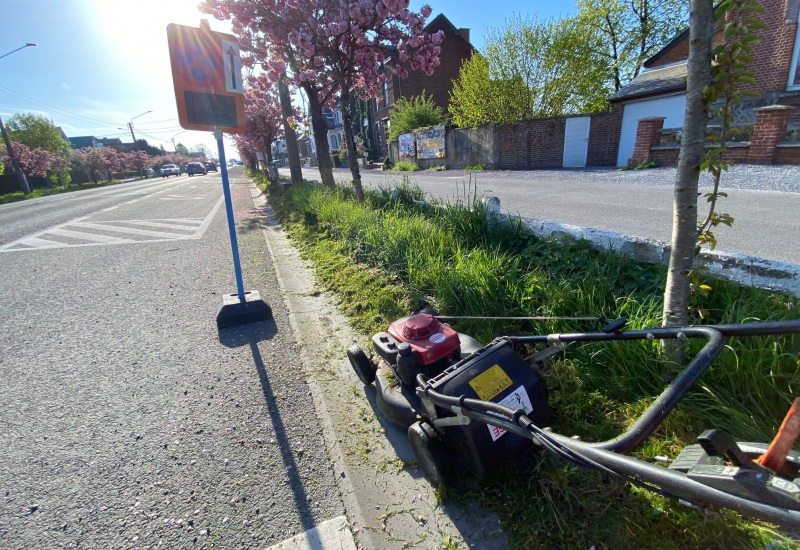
<point x="207" y="75"/>
<point x="242" y="307"/>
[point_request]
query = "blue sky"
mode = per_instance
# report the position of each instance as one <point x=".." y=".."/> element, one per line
<point x="99" y="63"/>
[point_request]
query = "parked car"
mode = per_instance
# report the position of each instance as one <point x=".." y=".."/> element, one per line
<point x="150" y="172"/>
<point x="211" y="166"/>
<point x="196" y="168"/>
<point x="170" y="170"/>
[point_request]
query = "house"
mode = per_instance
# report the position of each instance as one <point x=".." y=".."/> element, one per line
<point x="333" y="120"/>
<point x="116" y="144"/>
<point x="656" y="98"/>
<point x="80" y="142"/>
<point x="455" y="49"/>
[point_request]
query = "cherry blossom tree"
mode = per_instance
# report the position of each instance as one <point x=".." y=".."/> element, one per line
<point x="94" y="160"/>
<point x="33" y="162"/>
<point x="263" y="117"/>
<point x="136" y="160"/>
<point x="330" y="46"/>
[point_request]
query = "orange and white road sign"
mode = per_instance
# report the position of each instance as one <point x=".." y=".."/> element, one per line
<point x="207" y="74"/>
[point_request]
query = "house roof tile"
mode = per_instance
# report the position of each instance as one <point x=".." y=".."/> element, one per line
<point x="668" y="78"/>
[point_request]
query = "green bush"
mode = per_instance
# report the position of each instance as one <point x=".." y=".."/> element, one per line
<point x="415" y="112"/>
<point x="405" y="166"/>
<point x="335" y="158"/>
<point x="387" y="163"/>
<point x="478" y="166"/>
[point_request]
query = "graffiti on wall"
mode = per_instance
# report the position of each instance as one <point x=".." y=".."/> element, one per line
<point x="406" y="145"/>
<point x="430" y="143"/>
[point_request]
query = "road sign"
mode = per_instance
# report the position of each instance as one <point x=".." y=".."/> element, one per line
<point x="207" y="74"/>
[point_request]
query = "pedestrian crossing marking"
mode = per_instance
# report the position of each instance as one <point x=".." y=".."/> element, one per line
<point x="81" y="232"/>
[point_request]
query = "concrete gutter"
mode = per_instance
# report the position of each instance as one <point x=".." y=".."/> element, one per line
<point x="746" y="270"/>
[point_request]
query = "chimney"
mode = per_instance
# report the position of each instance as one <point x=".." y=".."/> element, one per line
<point x="464" y="34"/>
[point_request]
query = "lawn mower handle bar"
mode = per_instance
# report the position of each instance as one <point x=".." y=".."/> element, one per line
<point x="672" y="482"/>
<point x="663" y="405"/>
<point x="611" y="453"/>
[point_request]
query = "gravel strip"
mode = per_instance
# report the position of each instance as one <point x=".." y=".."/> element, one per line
<point x="743" y="176"/>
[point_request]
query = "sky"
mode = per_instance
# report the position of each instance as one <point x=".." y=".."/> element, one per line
<point x="101" y="64"/>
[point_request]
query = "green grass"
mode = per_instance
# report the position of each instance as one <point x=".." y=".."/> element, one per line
<point x="56" y="190"/>
<point x="390" y="256"/>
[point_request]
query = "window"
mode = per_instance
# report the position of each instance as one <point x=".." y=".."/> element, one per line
<point x="383" y="97"/>
<point x="794" y="71"/>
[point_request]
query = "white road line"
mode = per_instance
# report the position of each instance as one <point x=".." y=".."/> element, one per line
<point x="40" y="243"/>
<point x="94" y="237"/>
<point x="132" y="231"/>
<point x="182" y="197"/>
<point x="197" y="227"/>
<point x="164" y="225"/>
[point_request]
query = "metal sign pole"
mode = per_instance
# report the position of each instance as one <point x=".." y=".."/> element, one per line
<point x="223" y="166"/>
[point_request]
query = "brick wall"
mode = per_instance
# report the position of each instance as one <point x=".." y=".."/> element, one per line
<point x="648" y="134"/>
<point x="768" y="130"/>
<point x="771" y="58"/>
<point x="604" y="132"/>
<point x="539" y="143"/>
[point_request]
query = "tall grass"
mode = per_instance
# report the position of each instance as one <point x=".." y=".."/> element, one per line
<point x="455" y="259"/>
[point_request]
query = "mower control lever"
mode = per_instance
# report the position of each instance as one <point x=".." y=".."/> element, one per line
<point x="613" y="326"/>
<point x="719" y="444"/>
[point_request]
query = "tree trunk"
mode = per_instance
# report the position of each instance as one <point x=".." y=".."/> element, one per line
<point x="320" y="128"/>
<point x="290" y="136"/>
<point x="351" y="144"/>
<point x="684" y="217"/>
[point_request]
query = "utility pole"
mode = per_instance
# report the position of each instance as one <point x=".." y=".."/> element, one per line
<point x="133" y="137"/>
<point x="23" y="181"/>
<point x="291" y="137"/>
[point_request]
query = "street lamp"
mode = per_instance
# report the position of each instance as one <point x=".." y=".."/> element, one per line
<point x="130" y="125"/>
<point x="18" y="49"/>
<point x="23" y="181"/>
<point x="173" y="140"/>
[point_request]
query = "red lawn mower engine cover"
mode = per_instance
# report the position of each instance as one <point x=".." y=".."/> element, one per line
<point x="431" y="339"/>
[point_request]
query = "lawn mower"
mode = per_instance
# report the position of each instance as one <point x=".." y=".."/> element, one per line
<point x="473" y="407"/>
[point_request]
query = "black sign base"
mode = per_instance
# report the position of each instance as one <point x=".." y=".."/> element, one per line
<point x="233" y="312"/>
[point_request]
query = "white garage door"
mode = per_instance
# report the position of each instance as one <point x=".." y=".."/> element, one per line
<point x="672" y="108"/>
<point x="576" y="142"/>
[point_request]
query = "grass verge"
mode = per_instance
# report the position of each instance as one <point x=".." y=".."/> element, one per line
<point x="390" y="256"/>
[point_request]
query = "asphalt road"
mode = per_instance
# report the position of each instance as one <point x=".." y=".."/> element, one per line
<point x="127" y="419"/>
<point x="637" y="203"/>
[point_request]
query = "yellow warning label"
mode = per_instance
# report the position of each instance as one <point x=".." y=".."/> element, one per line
<point x="490" y="382"/>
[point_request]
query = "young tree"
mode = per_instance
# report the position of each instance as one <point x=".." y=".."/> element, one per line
<point x="693" y="139"/>
<point x="329" y="46"/>
<point x="412" y="113"/>
<point x="477" y="98"/>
